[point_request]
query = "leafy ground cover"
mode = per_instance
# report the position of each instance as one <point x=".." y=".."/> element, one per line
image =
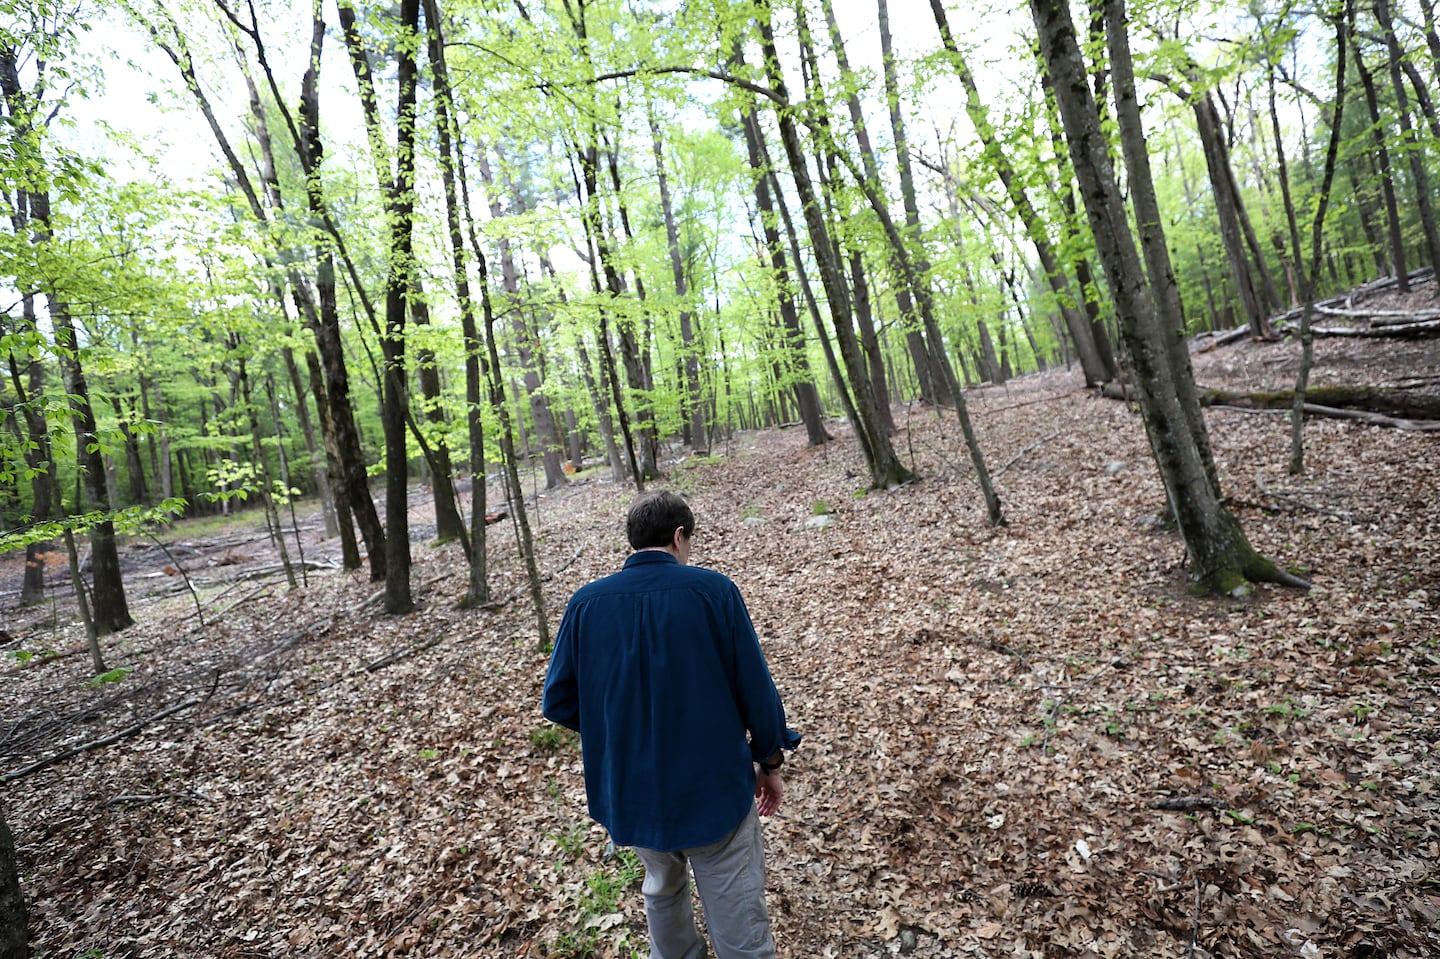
<point x="1026" y="741"/>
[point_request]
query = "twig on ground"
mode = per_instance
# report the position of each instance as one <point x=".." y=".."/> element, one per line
<point x="399" y="654"/>
<point x="407" y="920"/>
<point x="1188" y="803"/>
<point x="1021" y="455"/>
<point x="104" y="741"/>
<point x="129" y="800"/>
<point x="1194" y="923"/>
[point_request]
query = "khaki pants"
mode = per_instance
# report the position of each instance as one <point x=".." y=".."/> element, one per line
<point x="730" y="875"/>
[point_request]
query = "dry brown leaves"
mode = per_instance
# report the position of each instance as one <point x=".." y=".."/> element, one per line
<point x="992" y="716"/>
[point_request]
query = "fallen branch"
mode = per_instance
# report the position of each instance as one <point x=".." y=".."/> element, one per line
<point x="105" y="741"/>
<point x="1416" y="330"/>
<point x="1188" y="803"/>
<point x="1021" y="455"/>
<point x="1382" y="317"/>
<point x="1330" y="412"/>
<point x="406" y="653"/>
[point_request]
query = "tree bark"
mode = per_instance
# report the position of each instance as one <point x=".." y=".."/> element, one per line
<point x="448" y="524"/>
<point x="1227" y="209"/>
<point x="310" y="149"/>
<point x="694" y="401"/>
<point x="29" y="386"/>
<point x="925" y="355"/>
<point x="452" y="171"/>
<point x="14" y="943"/>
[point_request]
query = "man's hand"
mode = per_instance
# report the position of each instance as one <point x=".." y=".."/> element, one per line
<point x="768" y="790"/>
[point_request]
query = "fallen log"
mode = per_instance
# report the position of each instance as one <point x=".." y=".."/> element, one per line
<point x="1393" y="330"/>
<point x="1398" y="409"/>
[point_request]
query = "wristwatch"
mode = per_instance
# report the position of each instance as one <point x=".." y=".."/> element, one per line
<point x="768" y="768"/>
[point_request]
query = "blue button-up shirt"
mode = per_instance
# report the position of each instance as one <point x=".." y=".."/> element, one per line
<point x="659" y="669"/>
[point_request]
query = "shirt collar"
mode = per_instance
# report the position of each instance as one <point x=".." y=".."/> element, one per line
<point x="648" y="556"/>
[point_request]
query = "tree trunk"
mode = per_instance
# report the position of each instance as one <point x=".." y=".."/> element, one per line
<point x="29" y="387"/>
<point x="926" y="356"/>
<point x="111" y="612"/>
<point x="1414" y="150"/>
<point x="807" y="398"/>
<point x="1036" y="228"/>
<point x="310" y="150"/>
<point x="694" y="401"/>
<point x="14" y="931"/>
<point x="1387" y="180"/>
<point x="525" y="333"/>
<point x="448" y="524"/>
<point x="267" y="486"/>
<point x="880" y="456"/>
<point x="400" y="214"/>
<point x="870" y="342"/>
<point x="1221" y="557"/>
<point x="447" y="134"/>
<point x="1227" y="209"/>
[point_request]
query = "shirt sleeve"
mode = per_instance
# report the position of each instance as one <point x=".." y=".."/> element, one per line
<point x="561" y="700"/>
<point x="759" y="700"/>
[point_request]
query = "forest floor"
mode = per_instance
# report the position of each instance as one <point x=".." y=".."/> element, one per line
<point x="1024" y="741"/>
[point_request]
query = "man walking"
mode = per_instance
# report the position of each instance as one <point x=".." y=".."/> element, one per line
<point x="659" y="670"/>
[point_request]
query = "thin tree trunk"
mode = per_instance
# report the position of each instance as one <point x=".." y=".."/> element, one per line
<point x="1227" y="209"/>
<point x="448" y="524"/>
<point x="807" y="397"/>
<point x="925" y="355"/>
<point x="1036" y="228"/>
<point x="884" y="464"/>
<point x="29" y="387"/>
<point x="1308" y="281"/>
<point x="447" y="135"/>
<point x="694" y="401"/>
<point x="267" y="485"/>
<point x="1387" y="180"/>
<point x="524" y="331"/>
<point x="1414" y="150"/>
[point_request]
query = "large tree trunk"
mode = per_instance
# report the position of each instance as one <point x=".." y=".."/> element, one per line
<point x="1220" y="555"/>
<point x="14" y="943"/>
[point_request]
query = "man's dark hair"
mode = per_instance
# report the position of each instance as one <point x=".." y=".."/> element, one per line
<point x="654" y="517"/>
